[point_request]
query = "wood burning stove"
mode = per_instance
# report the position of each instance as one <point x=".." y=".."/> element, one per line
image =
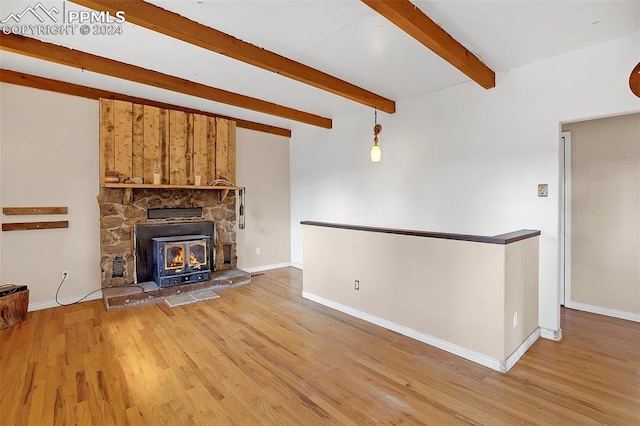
<point x="181" y="259"/>
<point x="144" y="233"/>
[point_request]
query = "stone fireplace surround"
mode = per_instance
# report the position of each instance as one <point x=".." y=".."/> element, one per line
<point x="117" y="222"/>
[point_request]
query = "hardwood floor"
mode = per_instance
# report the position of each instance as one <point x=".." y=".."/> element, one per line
<point x="260" y="354"/>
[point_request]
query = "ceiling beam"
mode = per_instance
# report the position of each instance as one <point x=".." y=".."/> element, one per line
<point x="98" y="64"/>
<point x="57" y="86"/>
<point x="173" y="25"/>
<point x="414" y="22"/>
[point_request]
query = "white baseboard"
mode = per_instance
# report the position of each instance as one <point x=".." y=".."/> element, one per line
<point x="266" y="267"/>
<point x="517" y="354"/>
<point x="67" y="300"/>
<point x="487" y="361"/>
<point x="297" y="265"/>
<point x="630" y="316"/>
<point x="547" y="333"/>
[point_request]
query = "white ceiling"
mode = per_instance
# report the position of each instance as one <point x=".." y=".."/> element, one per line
<point x="344" y="38"/>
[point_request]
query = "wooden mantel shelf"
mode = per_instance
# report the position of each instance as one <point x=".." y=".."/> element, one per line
<point x="129" y="187"/>
<point x="152" y="186"/>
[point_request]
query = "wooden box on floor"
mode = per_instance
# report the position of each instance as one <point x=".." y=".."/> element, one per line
<point x="13" y="308"/>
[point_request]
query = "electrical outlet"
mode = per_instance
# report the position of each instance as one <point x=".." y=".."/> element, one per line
<point x="257" y="250"/>
<point x="357" y="285"/>
<point x="515" y="319"/>
<point x="64" y="275"/>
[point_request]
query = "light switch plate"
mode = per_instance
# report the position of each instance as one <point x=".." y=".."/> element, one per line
<point x="543" y="190"/>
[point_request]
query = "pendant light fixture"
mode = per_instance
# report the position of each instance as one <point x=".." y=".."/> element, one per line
<point x="376" y="153"/>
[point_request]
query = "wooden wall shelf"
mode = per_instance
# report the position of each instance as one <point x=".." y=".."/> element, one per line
<point x="34" y="210"/>
<point x="28" y="226"/>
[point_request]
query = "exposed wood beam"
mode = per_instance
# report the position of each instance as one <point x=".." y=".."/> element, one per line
<point x="86" y="61"/>
<point x="414" y="22"/>
<point x="169" y="23"/>
<point x="57" y="86"/>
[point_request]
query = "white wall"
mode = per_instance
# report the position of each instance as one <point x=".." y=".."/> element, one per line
<point x="464" y="159"/>
<point x="50" y="158"/>
<point x="263" y="168"/>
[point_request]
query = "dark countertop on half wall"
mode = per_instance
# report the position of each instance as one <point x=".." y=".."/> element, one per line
<point x="510" y="237"/>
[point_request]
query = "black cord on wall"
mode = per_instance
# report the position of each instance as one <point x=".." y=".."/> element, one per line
<point x="89" y="294"/>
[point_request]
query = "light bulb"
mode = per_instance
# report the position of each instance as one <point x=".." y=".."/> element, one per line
<point x="376" y="153"/>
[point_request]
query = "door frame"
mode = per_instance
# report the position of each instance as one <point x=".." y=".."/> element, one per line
<point x="565" y="218"/>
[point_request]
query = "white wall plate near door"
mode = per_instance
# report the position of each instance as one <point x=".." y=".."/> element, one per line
<point x="543" y="190"/>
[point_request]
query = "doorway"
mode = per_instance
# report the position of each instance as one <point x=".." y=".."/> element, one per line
<point x="600" y="216"/>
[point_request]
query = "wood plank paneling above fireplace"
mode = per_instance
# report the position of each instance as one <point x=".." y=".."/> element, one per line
<point x="138" y="141"/>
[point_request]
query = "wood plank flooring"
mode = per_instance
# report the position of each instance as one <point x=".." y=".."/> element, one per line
<point x="262" y="355"/>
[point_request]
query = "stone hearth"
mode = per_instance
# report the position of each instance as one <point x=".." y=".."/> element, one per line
<point x="149" y="292"/>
